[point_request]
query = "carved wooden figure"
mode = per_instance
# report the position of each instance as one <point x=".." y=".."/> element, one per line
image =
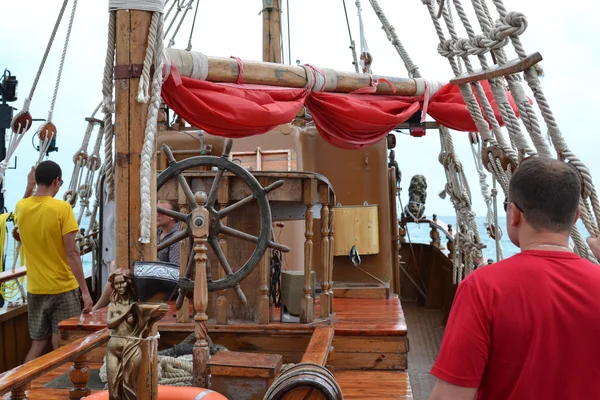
<point x="130" y="322"/>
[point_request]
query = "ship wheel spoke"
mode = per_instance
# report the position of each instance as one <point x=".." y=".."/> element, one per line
<point x="189" y="195"/>
<point x="251" y="238"/>
<point x="214" y="190"/>
<point x="248" y="199"/>
<point x="173" y="239"/>
<point x="214" y="244"/>
<point x="189" y="268"/>
<point x="173" y="214"/>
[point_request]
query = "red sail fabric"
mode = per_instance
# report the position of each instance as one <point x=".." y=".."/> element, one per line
<point x="231" y="110"/>
<point x="448" y="108"/>
<point x="350" y="121"/>
<point x="353" y="121"/>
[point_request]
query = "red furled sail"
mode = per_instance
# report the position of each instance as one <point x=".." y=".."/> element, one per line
<point x="350" y="121"/>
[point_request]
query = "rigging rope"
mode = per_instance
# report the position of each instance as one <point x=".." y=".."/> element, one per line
<point x="155" y="45"/>
<point x="108" y="107"/>
<point x="366" y="59"/>
<point x="390" y="31"/>
<point x="352" y="43"/>
<point x="494" y="39"/>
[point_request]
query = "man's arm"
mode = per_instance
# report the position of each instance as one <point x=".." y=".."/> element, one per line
<point x="74" y="260"/>
<point x="447" y="391"/>
<point x="30" y="183"/>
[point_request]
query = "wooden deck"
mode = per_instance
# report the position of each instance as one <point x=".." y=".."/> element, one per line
<point x="370" y="345"/>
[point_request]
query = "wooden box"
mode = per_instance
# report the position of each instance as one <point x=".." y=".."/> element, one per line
<point x="243" y="376"/>
<point x="356" y="226"/>
<point x="265" y="160"/>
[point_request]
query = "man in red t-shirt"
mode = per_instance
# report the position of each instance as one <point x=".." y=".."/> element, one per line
<point x="528" y="327"/>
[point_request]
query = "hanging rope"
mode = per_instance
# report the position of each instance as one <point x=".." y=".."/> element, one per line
<point x="352" y="44"/>
<point x="155" y="45"/>
<point x="107" y="105"/>
<point x="366" y="59"/>
<point x="189" y="46"/>
<point x="188" y="7"/>
<point x="413" y="70"/>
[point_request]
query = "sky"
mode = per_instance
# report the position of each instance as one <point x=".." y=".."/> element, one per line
<point x="319" y="36"/>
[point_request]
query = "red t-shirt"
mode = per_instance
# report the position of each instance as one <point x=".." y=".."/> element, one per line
<point x="527" y="327"/>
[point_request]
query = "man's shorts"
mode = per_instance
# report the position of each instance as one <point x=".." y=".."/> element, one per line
<point x="47" y="310"/>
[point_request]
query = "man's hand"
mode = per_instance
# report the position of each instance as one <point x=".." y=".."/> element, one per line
<point x="31" y="177"/>
<point x="15" y="234"/>
<point x="87" y="303"/>
<point x="594" y="243"/>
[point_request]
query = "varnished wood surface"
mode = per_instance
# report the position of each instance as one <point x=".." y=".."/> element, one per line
<point x="9" y="275"/>
<point x="356" y="385"/>
<point x="380" y="385"/>
<point x="374" y="317"/>
<point x="254" y="365"/>
<point x="38" y="392"/>
<point x="14" y="337"/>
<point x="26" y="373"/>
<point x="318" y="348"/>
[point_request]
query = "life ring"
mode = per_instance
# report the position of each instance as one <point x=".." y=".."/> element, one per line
<point x="172" y="393"/>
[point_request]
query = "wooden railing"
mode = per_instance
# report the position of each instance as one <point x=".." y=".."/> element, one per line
<point x="18" y="379"/>
<point x="319" y="350"/>
<point x="9" y="275"/>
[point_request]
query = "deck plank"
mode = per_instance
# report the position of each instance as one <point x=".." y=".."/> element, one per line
<point x="361" y="385"/>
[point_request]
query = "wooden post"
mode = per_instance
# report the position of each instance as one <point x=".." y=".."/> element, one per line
<point x="183" y="314"/>
<point x="331" y="253"/>
<point x="307" y="305"/>
<point x="271" y="31"/>
<point x="324" y="199"/>
<point x="79" y="374"/>
<point x="200" y="221"/>
<point x="132" y="28"/>
<point x="264" y="306"/>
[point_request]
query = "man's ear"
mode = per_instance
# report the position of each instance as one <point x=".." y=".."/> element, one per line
<point x="515" y="215"/>
<point x="577" y="214"/>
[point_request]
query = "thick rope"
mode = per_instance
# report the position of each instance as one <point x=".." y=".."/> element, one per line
<point x="156" y="46"/>
<point x="107" y="106"/>
<point x="390" y="31"/>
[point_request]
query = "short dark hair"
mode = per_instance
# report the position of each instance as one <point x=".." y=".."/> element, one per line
<point x="172" y="203"/>
<point x="547" y="192"/>
<point x="46" y="172"/>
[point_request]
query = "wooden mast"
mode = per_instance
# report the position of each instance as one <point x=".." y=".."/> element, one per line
<point x="131" y="42"/>
<point x="271" y="31"/>
<point x="132" y="28"/>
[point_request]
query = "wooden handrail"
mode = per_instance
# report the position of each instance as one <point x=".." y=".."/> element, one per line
<point x="317" y="351"/>
<point x="9" y="275"/>
<point x="25" y="373"/>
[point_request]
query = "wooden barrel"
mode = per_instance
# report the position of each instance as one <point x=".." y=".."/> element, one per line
<point x="306" y="381"/>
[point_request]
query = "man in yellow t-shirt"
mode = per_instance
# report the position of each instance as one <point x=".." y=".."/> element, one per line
<point x="47" y="229"/>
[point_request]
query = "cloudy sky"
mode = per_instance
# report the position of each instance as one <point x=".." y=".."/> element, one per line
<point x="319" y="36"/>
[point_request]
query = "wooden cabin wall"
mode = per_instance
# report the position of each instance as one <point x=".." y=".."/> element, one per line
<point x="14" y="337"/>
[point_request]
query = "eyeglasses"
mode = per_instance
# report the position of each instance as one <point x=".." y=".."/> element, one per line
<point x="61" y="182"/>
<point x="506" y="203"/>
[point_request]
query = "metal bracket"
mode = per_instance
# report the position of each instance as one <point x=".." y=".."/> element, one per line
<point x="128" y="71"/>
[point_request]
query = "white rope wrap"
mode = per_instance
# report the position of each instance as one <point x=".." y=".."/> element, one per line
<point x="107" y="106"/>
<point x="390" y="31"/>
<point x="144" y="5"/>
<point x="316" y="79"/>
<point x="199" y="66"/>
<point x="155" y="44"/>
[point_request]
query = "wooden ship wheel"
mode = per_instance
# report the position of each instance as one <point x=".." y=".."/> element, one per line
<point x="205" y="216"/>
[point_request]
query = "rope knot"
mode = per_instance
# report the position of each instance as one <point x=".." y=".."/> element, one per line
<point x="463" y="48"/>
<point x="445" y="48"/>
<point x="515" y="23"/>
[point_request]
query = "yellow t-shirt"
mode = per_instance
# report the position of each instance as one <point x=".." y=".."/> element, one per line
<point x="42" y="222"/>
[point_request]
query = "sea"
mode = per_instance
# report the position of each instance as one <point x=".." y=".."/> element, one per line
<point x="417" y="233"/>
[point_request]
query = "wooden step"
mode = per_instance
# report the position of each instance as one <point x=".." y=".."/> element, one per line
<point x="497" y="71"/>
